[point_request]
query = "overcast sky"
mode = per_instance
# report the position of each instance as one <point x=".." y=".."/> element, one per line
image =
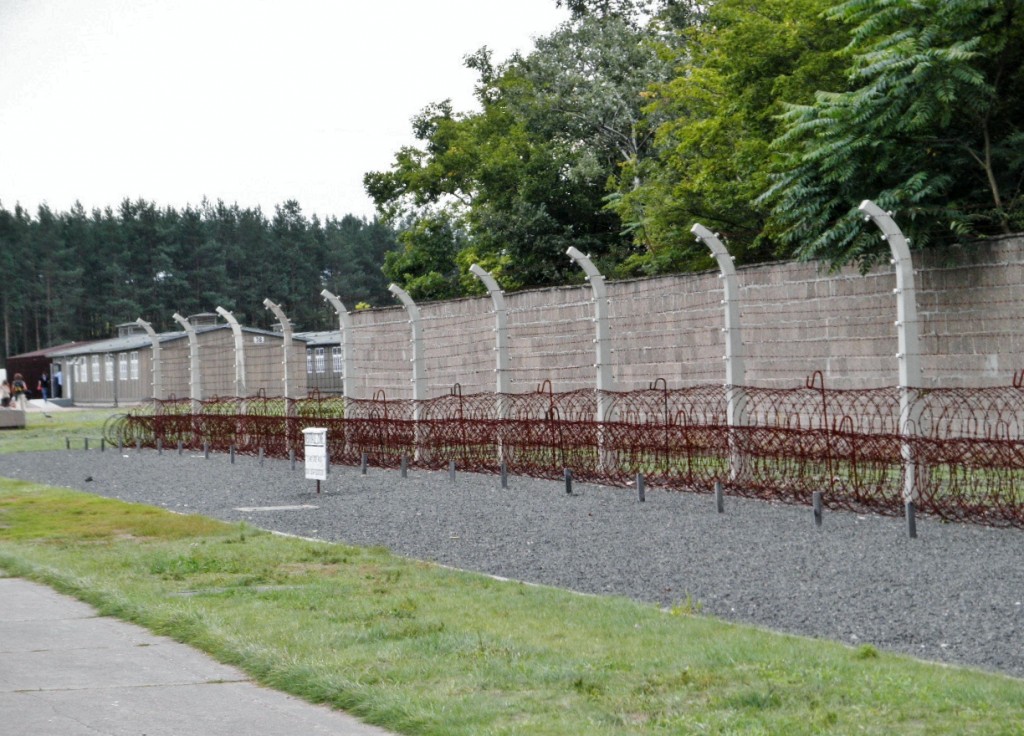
<point x="249" y="101"/>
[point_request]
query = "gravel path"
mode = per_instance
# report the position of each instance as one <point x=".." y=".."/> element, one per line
<point x="954" y="594"/>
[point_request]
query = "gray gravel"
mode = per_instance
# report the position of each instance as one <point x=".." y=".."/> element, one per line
<point x="954" y="594"/>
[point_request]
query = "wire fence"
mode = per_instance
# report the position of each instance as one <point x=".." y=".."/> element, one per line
<point x="964" y="447"/>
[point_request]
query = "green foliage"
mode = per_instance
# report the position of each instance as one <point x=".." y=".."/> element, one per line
<point x="929" y="127"/>
<point x="715" y="120"/>
<point x="425" y="266"/>
<point x="80" y="274"/>
<point x="525" y="178"/>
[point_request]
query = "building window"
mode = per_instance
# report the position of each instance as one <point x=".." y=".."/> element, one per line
<point x="134" y="363"/>
<point x="81" y="373"/>
<point x="122" y="367"/>
<point x="336" y="359"/>
<point x="309" y="361"/>
<point x="108" y="366"/>
<point x="320" y="367"/>
<point x="95" y="368"/>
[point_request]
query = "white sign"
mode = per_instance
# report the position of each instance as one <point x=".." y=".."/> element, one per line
<point x="315" y="440"/>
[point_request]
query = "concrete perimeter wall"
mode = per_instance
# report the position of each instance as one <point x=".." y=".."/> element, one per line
<point x="796" y="318"/>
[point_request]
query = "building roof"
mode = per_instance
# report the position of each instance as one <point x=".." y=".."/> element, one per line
<point x="327" y="337"/>
<point x="52" y="350"/>
<point x="135" y="342"/>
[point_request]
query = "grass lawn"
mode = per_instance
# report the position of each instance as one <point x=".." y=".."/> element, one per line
<point x="52" y="429"/>
<point x="420" y="649"/>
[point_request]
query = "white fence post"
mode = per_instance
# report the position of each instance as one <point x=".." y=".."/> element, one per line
<point x="195" y="383"/>
<point x="155" y="369"/>
<point x="236" y="330"/>
<point x="418" y="379"/>
<point x="500" y="329"/>
<point x="735" y="370"/>
<point x="909" y="355"/>
<point x="501" y="349"/>
<point x="286" y="328"/>
<point x="602" y="340"/>
<point x="347" y="352"/>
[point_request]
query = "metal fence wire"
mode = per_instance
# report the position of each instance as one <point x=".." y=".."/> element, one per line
<point x="964" y="447"/>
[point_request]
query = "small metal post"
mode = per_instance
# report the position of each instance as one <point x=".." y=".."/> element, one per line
<point x="260" y="453"/>
<point x="103" y="444"/>
<point x="719" y="498"/>
<point x="86" y="444"/>
<point x="816" y="504"/>
<point x="120" y="443"/>
<point x="291" y="457"/>
<point x="504" y="474"/>
<point x="206" y="449"/>
<point x="640" y="487"/>
<point x="181" y="447"/>
<point x="231" y="452"/>
<point x="451" y="470"/>
<point x="405" y="466"/>
<point x="67" y="443"/>
<point x="911" y="510"/>
<point x="159" y="446"/>
<point x="568" y="481"/>
<point x="318" y="487"/>
<point x="138" y="445"/>
<point x="362" y="464"/>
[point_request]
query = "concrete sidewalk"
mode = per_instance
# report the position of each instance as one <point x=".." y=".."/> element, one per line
<point x="65" y="671"/>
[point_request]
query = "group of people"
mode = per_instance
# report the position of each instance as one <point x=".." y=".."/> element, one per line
<point x="15" y="393"/>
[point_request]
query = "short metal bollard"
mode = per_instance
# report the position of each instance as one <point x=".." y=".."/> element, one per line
<point x="291" y="457"/>
<point x="260" y="454"/>
<point x="206" y="449"/>
<point x="231" y="452"/>
<point x="640" y="489"/>
<point x="103" y="444"/>
<point x="181" y="446"/>
<point x="362" y="464"/>
<point x="911" y="511"/>
<point x="86" y="444"/>
<point x="568" y="481"/>
<point x="719" y="497"/>
<point x="159" y="446"/>
<point x="816" y="505"/>
<point x="404" y="467"/>
<point x="451" y="470"/>
<point x="504" y="474"/>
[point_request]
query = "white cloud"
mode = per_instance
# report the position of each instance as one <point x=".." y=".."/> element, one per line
<point x="243" y="100"/>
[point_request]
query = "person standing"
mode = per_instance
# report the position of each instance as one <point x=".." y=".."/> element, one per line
<point x="58" y="383"/>
<point x="44" y="386"/>
<point x="19" y="389"/>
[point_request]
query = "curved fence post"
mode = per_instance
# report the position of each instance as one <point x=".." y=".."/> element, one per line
<point x="155" y="369"/>
<point x="603" y="341"/>
<point x="418" y="379"/>
<point x="500" y="348"/>
<point x="345" y="325"/>
<point x="909" y="355"/>
<point x="500" y="330"/>
<point x="735" y="369"/>
<point x="286" y="328"/>
<point x="195" y="383"/>
<point x="419" y="383"/>
<point x="604" y="380"/>
<point x="236" y="330"/>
